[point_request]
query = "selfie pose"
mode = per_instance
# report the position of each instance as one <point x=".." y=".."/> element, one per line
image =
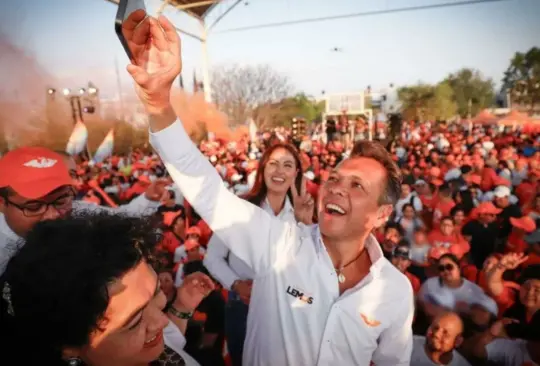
<point x="322" y="294"/>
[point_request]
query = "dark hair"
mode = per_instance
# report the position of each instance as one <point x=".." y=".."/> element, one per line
<point x="451" y="257"/>
<point x="394" y="225"/>
<point x="257" y="194"/>
<point x="407" y="205"/>
<point x="376" y="151"/>
<point x="58" y="280"/>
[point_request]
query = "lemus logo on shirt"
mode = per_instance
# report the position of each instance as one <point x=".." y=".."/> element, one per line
<point x="299" y="295"/>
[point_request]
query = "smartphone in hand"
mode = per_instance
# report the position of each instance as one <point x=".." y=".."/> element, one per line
<point x="125" y="8"/>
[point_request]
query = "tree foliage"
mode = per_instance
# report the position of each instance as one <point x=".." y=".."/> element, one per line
<point x="472" y="92"/>
<point x="427" y="102"/>
<point x="281" y="113"/>
<point x="239" y="90"/>
<point x="522" y="78"/>
<point x="458" y="94"/>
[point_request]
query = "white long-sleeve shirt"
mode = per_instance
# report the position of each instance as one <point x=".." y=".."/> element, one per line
<point x="227" y="267"/>
<point x="297" y="316"/>
<point x="8" y="239"/>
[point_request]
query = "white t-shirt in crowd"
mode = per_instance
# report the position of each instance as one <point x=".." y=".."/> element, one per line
<point x="467" y="293"/>
<point x="508" y="352"/>
<point x="420" y="358"/>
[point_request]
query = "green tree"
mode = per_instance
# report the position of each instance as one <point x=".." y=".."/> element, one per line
<point x="522" y="78"/>
<point x="416" y="101"/>
<point x="442" y="106"/>
<point x="472" y="92"/>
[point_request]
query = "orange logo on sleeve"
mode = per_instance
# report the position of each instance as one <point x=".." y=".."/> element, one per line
<point x="370" y="322"/>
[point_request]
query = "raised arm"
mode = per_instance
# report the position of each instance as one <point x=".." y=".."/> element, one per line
<point x="249" y="232"/>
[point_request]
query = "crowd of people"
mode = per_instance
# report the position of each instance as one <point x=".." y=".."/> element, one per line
<point x="274" y="250"/>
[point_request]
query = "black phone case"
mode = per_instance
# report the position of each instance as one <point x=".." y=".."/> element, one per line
<point x="120" y="15"/>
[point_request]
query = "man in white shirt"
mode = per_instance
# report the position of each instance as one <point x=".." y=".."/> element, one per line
<point x="35" y="185"/>
<point x="438" y="346"/>
<point x="323" y="294"/>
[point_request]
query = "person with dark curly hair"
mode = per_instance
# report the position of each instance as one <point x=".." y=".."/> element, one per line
<point x="82" y="291"/>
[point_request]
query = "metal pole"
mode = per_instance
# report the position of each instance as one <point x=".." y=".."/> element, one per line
<point x="119" y="86"/>
<point x="205" y="65"/>
<point x="370" y="127"/>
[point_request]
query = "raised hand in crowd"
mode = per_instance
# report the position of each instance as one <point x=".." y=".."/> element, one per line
<point x="512" y="261"/>
<point x="195" y="287"/>
<point x="498" y="329"/>
<point x="304" y="204"/>
<point x="157" y="190"/>
<point x="156" y="63"/>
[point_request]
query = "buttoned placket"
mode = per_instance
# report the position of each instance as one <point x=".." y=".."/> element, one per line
<point x="339" y="306"/>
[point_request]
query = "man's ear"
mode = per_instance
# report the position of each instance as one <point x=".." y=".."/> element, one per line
<point x="458" y="342"/>
<point x="383" y="214"/>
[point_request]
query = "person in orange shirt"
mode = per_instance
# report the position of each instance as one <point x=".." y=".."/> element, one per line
<point x="445" y="236"/>
<point x="401" y="259"/>
<point x="520" y="227"/>
<point x="444" y="204"/>
<point x="174" y="227"/>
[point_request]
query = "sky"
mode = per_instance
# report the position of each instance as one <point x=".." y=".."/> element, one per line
<point x="74" y="41"/>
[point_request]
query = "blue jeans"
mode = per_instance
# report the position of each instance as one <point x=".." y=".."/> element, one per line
<point x="235" y="327"/>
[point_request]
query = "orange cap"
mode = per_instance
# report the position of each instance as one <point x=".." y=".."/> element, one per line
<point x="170" y="217"/>
<point x="191" y="244"/>
<point x="194" y="230"/>
<point x="33" y="172"/>
<point x="525" y="223"/>
<point x="487" y="208"/>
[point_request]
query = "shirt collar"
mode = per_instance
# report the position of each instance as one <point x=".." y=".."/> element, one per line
<point x="371" y="245"/>
<point x="5" y="229"/>
<point x="287" y="207"/>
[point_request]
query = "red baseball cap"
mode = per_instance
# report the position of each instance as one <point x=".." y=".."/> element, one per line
<point x="33" y="172"/>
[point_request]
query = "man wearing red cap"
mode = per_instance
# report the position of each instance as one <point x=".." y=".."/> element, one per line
<point x="35" y="185"/>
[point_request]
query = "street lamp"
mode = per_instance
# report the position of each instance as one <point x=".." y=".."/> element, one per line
<point x="82" y="91"/>
<point x="66" y="91"/>
<point x="51" y="91"/>
<point x="92" y="90"/>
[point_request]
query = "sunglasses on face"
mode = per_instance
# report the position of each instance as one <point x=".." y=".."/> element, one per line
<point x="445" y="267"/>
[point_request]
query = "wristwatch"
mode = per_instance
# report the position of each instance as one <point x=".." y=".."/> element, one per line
<point x="180" y="314"/>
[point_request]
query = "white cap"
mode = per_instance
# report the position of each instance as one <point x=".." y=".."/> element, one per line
<point x="452" y="174"/>
<point x="419" y="182"/>
<point x="213" y="159"/>
<point x="236" y="177"/>
<point x="309" y="175"/>
<point x="501" y="191"/>
<point x="487" y="303"/>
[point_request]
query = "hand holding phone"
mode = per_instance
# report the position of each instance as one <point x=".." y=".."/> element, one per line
<point x="131" y="25"/>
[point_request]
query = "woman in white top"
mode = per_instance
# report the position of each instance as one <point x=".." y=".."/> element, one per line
<point x="450" y="280"/>
<point x="278" y="170"/>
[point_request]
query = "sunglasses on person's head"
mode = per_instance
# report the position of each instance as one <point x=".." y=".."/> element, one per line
<point x="445" y="267"/>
